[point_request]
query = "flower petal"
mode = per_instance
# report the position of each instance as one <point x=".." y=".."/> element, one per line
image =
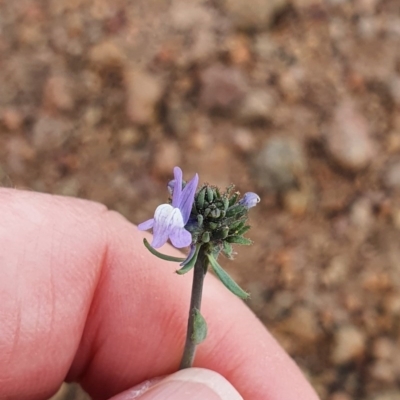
<point x="176" y="220"/>
<point x="249" y="199"/>
<point x="162" y="217"/>
<point x="177" y="190"/>
<point x="187" y="198"/>
<point x="144" y="226"/>
<point x="180" y="237"/>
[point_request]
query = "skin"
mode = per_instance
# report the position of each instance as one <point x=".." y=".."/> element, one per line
<point x="82" y="299"/>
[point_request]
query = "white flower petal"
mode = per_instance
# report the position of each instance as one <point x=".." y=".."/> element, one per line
<point x="162" y="218"/>
<point x="162" y="212"/>
<point x="176" y="220"/>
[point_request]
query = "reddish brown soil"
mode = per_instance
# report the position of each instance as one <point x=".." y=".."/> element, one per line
<point x="298" y="101"/>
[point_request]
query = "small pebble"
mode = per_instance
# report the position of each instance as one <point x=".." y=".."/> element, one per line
<point x="279" y="164"/>
<point x="349" y="344"/>
<point x="144" y="90"/>
<point x="222" y="87"/>
<point x="348" y="138"/>
<point x="259" y="15"/>
<point x="391" y="176"/>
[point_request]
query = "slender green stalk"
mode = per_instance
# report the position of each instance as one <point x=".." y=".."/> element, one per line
<point x="160" y="255"/>
<point x="200" y="269"/>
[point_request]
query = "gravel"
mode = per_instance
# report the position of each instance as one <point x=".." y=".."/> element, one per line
<point x="279" y="164"/>
<point x="297" y="100"/>
<point x="348" y="138"/>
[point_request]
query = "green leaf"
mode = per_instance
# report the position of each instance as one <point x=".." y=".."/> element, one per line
<point x="243" y="230"/>
<point x="239" y="240"/>
<point x="234" y="226"/>
<point x="220" y="233"/>
<point x="199" y="327"/>
<point x="233" y="210"/>
<point x="228" y="250"/>
<point x="226" y="279"/>
<point x="160" y="255"/>
<point x="190" y="264"/>
<point x="233" y="199"/>
<point x="226" y="203"/>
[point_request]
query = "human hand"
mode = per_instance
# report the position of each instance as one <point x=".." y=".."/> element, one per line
<point x="81" y="299"/>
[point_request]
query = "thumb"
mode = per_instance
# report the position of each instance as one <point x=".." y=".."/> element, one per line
<point x="190" y="383"/>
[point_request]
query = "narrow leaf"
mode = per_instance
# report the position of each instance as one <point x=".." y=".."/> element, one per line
<point x="226" y="203"/>
<point x="234" y="226"/>
<point x="199" y="327"/>
<point x="220" y="233"/>
<point x="160" y="255"/>
<point x="233" y="199"/>
<point x="190" y="264"/>
<point x="243" y="230"/>
<point x="239" y="240"/>
<point x="233" y="210"/>
<point x="226" y="279"/>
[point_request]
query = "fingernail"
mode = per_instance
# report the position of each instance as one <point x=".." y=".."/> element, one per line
<point x="190" y="383"/>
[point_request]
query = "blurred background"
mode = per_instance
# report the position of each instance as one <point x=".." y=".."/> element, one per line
<point x="297" y="100"/>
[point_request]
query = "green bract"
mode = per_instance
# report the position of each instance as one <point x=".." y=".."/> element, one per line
<point x="217" y="220"/>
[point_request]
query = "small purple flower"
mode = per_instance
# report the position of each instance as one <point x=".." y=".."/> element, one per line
<point x="170" y="219"/>
<point x="249" y="200"/>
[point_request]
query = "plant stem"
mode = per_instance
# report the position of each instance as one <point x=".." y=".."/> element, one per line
<point x="200" y="269"/>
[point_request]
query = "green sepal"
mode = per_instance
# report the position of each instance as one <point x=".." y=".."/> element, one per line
<point x="210" y="194"/>
<point x="227" y="249"/>
<point x="213" y="225"/>
<point x="236" y="225"/>
<point x="200" y="198"/>
<point x="160" y="255"/>
<point x="205" y="237"/>
<point x="239" y="240"/>
<point x="237" y="210"/>
<point x="226" y="203"/>
<point x="186" y="268"/>
<point x="215" y="213"/>
<point x="242" y="230"/>
<point x="233" y="210"/>
<point x="220" y="233"/>
<point x="200" y="220"/>
<point x="233" y="199"/>
<point x="199" y="327"/>
<point x="226" y="279"/>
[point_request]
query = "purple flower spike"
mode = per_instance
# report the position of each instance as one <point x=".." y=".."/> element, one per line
<point x="249" y="200"/>
<point x="169" y="220"/>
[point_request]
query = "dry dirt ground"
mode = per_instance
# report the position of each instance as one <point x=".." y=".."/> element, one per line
<point x="297" y="100"/>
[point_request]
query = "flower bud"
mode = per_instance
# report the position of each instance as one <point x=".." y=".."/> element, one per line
<point x="249" y="200"/>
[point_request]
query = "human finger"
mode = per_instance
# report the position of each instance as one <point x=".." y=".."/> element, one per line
<point x="83" y="298"/>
